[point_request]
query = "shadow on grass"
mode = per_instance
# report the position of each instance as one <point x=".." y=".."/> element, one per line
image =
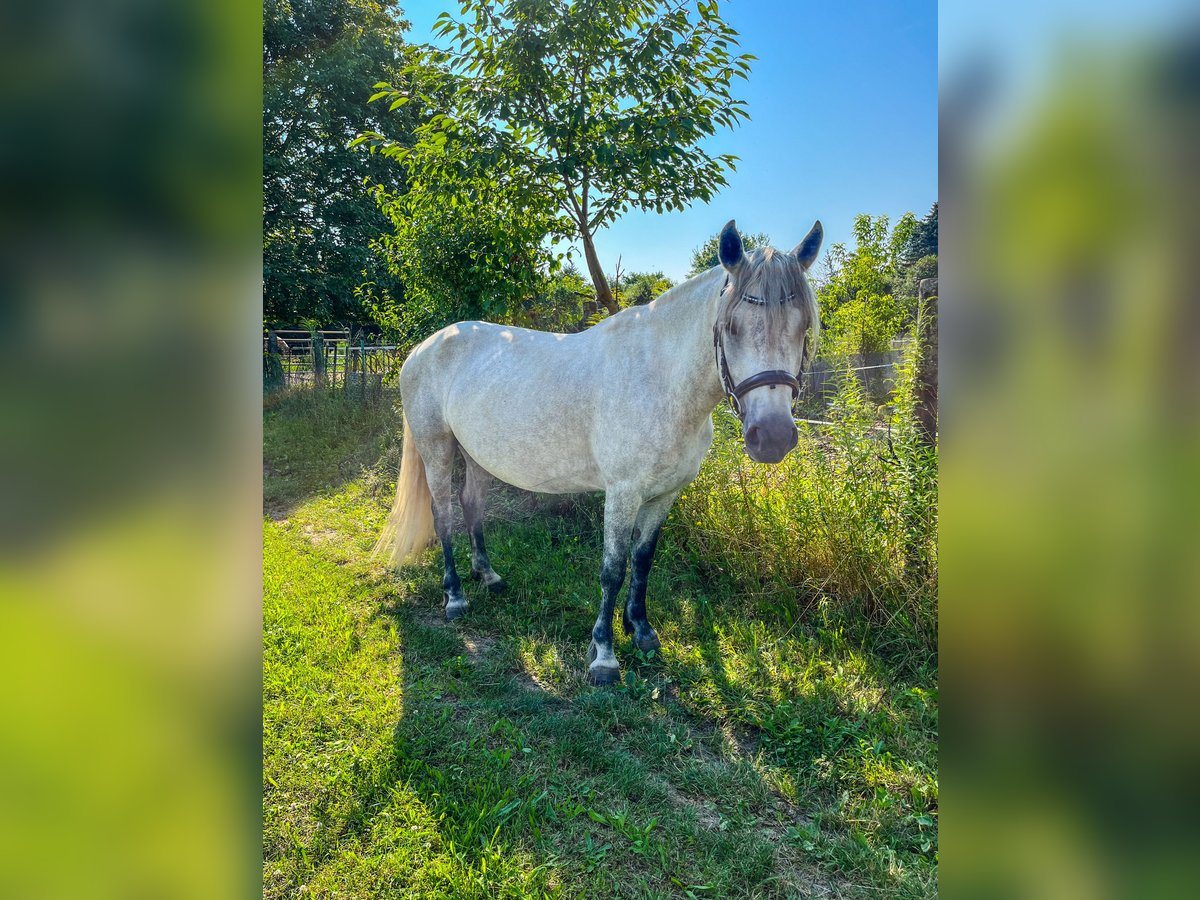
<point x="636" y="734"/>
<point x="556" y="784"/>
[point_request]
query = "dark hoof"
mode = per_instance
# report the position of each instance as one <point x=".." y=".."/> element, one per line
<point x="455" y="610"/>
<point x="649" y="642"/>
<point x="498" y="587"/>
<point x="603" y="675"/>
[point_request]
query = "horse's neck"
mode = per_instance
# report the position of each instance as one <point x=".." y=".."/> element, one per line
<point x="684" y="318"/>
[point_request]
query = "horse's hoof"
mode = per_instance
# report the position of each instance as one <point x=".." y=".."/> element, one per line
<point x="649" y="642"/>
<point x="456" y="610"/>
<point x="603" y="675"/>
<point x="498" y="587"/>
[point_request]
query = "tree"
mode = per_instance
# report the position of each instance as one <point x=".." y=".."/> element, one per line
<point x="924" y="239"/>
<point x="909" y="286"/>
<point x="704" y="257"/>
<point x="595" y="107"/>
<point x="861" y="310"/>
<point x="475" y="253"/>
<point x="561" y="304"/>
<point x="319" y="59"/>
<point x="642" y="287"/>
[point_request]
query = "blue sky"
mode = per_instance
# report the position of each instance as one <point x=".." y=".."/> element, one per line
<point x="843" y="120"/>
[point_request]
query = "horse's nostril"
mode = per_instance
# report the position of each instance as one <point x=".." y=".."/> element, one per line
<point x="752" y="434"/>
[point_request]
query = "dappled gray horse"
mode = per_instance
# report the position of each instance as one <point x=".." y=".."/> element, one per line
<point x="624" y="407"/>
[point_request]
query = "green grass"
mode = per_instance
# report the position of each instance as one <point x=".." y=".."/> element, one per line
<point x="766" y="751"/>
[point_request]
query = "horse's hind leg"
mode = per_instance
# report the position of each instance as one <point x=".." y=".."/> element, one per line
<point x="439" y="466"/>
<point x="474" y="500"/>
<point x="649" y="524"/>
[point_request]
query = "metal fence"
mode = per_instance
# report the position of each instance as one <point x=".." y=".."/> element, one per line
<point x="875" y="371"/>
<point x="341" y="361"/>
<point x="333" y="359"/>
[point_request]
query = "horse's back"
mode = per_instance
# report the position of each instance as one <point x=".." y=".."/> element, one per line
<point x="519" y="401"/>
<point x="489" y="357"/>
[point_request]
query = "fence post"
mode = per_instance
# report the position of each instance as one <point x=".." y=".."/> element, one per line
<point x="927" y="365"/>
<point x="274" y="377"/>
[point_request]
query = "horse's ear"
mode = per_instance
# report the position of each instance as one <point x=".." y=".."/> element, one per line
<point x="729" y="247"/>
<point x="806" y="251"/>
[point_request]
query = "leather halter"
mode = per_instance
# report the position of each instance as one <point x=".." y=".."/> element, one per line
<point x="735" y="392"/>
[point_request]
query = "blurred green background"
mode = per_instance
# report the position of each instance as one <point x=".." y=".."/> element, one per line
<point x="1069" y="522"/>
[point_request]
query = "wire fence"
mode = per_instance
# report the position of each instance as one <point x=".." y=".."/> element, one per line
<point x="331" y="358"/>
<point x="336" y="359"/>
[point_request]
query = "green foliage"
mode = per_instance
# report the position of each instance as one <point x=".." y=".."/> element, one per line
<point x="639" y="288"/>
<point x="705" y="256"/>
<point x="587" y="109"/>
<point x="319" y="57"/>
<point x="923" y="241"/>
<point x="560" y="304"/>
<point x="861" y="309"/>
<point x="466" y="249"/>
<point x="909" y="286"/>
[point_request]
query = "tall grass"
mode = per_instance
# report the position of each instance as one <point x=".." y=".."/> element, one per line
<point x="844" y="527"/>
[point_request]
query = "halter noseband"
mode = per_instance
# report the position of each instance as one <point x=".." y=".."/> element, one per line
<point x="735" y="392"/>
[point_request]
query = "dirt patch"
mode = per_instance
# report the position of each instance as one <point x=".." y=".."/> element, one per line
<point x="806" y="880"/>
<point x="532" y="683"/>
<point x="319" y="536"/>
<point x="706" y="816"/>
<point x="426" y="616"/>
<point x="478" y="646"/>
<point x="738" y="741"/>
<point x="275" y="510"/>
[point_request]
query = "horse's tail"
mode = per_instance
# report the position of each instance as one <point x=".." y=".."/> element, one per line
<point x="409" y="528"/>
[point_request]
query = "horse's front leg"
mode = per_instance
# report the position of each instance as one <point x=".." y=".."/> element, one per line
<point x="649" y="525"/>
<point x="620" y="512"/>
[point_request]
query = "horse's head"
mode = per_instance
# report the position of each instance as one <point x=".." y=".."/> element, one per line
<point x="765" y="331"/>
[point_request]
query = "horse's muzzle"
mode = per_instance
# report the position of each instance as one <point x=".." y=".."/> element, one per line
<point x="770" y="440"/>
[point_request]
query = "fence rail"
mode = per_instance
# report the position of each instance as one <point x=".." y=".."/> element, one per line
<point x="335" y="360"/>
<point x="340" y="361"/>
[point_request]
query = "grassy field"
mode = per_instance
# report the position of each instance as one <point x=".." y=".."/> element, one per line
<point x="773" y="748"/>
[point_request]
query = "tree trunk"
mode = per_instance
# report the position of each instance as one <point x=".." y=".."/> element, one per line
<point x="927" y="363"/>
<point x="603" y="294"/>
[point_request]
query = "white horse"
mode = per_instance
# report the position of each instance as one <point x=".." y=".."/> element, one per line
<point x="624" y="407"/>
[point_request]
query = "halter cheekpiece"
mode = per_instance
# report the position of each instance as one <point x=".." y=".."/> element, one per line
<point x="735" y="392"/>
